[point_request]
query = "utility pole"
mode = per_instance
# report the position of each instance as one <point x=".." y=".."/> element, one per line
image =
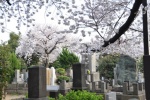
<point x="146" y="57"/>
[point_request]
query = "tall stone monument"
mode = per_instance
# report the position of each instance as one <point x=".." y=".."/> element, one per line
<point x="90" y="59"/>
<point x="79" y="82"/>
<point x="37" y="83"/>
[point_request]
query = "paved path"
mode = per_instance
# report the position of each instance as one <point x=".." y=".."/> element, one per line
<point x="9" y="97"/>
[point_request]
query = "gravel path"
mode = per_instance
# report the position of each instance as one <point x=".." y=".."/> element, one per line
<point x="9" y="97"/>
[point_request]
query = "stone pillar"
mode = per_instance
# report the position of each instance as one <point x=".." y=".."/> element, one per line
<point x="48" y="76"/>
<point x="111" y="96"/>
<point x="93" y="86"/>
<point x="103" y="87"/>
<point x="95" y="77"/>
<point x="135" y="89"/>
<point x="79" y="82"/>
<point x="63" y="89"/>
<point x="125" y="88"/>
<point x="17" y="75"/>
<point x="141" y="86"/>
<point x="37" y="83"/>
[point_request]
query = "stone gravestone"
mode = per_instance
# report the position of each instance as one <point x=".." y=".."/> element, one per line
<point x="95" y="80"/>
<point x="140" y="77"/>
<point x="53" y="76"/>
<point x="91" y="59"/>
<point x="48" y="76"/>
<point x="26" y="76"/>
<point x="79" y="82"/>
<point x="37" y="83"/>
<point x="126" y="70"/>
<point x="19" y="78"/>
<point x="70" y="73"/>
<point x="111" y="96"/>
<point x="116" y="74"/>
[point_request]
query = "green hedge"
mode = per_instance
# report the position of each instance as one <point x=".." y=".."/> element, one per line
<point x="79" y="95"/>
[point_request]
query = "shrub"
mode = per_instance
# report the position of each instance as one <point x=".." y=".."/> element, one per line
<point x="66" y="59"/>
<point x="61" y="78"/>
<point x="106" y="65"/>
<point x="60" y="71"/>
<point x="80" y="95"/>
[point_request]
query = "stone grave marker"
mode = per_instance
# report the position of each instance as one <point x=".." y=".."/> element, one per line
<point x="37" y="83"/>
<point x="111" y="96"/>
<point x="79" y="82"/>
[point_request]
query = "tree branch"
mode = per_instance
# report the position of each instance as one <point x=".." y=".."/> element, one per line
<point x="8" y="2"/>
<point x="127" y="24"/>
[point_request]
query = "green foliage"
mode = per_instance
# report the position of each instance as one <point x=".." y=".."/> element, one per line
<point x="107" y="64"/>
<point x="127" y="62"/>
<point x="80" y="95"/>
<point x="13" y="41"/>
<point x="56" y="64"/>
<point x="126" y="69"/>
<point x="5" y="71"/>
<point x="14" y="61"/>
<point x="140" y="64"/>
<point x="61" y="78"/>
<point x="49" y="98"/>
<point x="60" y="71"/>
<point x="66" y="59"/>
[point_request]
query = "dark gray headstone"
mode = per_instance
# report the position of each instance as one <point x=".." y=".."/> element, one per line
<point x="125" y="88"/>
<point x="37" y="82"/>
<point x="79" y="82"/>
<point x="103" y="87"/>
<point x="141" y="86"/>
<point x="135" y="89"/>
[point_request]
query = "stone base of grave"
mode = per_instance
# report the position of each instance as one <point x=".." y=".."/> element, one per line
<point x="53" y="94"/>
<point x="139" y="97"/>
<point x="117" y="89"/>
<point x="43" y="98"/>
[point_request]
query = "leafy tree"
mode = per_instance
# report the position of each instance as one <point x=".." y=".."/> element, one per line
<point x="140" y="64"/>
<point x="5" y="70"/>
<point x="66" y="58"/>
<point x="127" y="62"/>
<point x="13" y="41"/>
<point x="126" y="69"/>
<point x="106" y="65"/>
<point x="14" y="61"/>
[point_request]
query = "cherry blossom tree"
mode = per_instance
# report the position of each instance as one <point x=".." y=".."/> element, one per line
<point x="107" y="20"/>
<point x="46" y="43"/>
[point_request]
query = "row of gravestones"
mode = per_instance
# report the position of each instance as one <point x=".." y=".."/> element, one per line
<point x="132" y="75"/>
<point x="20" y="77"/>
<point x="93" y="81"/>
<point x="37" y="84"/>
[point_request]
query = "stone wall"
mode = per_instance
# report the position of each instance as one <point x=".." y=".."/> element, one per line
<point x="17" y="89"/>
